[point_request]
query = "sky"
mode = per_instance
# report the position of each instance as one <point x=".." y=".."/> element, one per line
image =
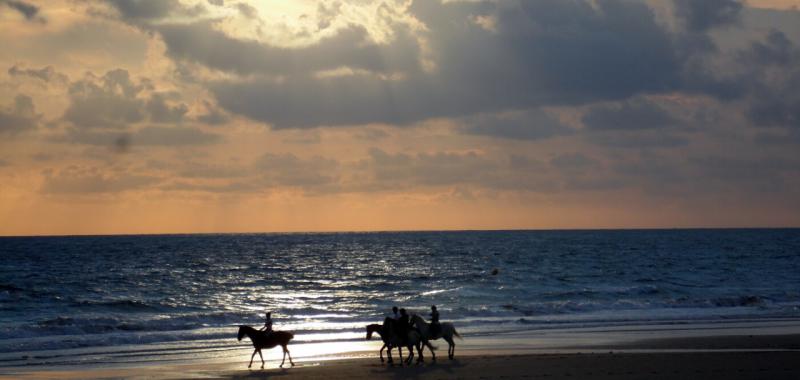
<point x="179" y="116"/>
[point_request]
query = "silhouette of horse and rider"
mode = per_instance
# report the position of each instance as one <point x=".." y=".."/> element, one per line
<point x="397" y="331"/>
<point x="265" y="337"/>
<point x="401" y="330"/>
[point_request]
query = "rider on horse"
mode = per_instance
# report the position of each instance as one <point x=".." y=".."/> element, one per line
<point x="435" y="326"/>
<point x="267" y="324"/>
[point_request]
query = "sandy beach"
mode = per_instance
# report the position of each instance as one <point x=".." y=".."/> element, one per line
<point x="705" y="365"/>
<point x="722" y="357"/>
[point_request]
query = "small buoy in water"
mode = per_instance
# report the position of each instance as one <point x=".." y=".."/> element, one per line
<point x="495" y="272"/>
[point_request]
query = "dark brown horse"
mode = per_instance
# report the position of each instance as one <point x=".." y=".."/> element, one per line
<point x="392" y="340"/>
<point x="263" y="339"/>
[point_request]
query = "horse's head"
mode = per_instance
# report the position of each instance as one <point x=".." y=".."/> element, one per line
<point x="241" y="332"/>
<point x="371" y="329"/>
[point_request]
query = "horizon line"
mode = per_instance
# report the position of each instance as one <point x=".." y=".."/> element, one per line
<point x="322" y="232"/>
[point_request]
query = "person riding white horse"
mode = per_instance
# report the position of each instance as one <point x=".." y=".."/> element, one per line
<point x="435" y="326"/>
<point x="445" y="331"/>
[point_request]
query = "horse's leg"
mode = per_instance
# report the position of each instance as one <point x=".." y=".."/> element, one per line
<point x="430" y="348"/>
<point x="451" y="349"/>
<point x="262" y="358"/>
<point x="290" y="355"/>
<point x="400" y="353"/>
<point x="381" y="352"/>
<point x="410" y="354"/>
<point x="251" y="357"/>
<point x="284" y="356"/>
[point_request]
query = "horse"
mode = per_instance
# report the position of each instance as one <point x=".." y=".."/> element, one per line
<point x="446" y="331"/>
<point x="262" y="339"/>
<point x="391" y="339"/>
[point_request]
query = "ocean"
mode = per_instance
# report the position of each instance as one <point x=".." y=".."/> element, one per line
<point x="105" y="299"/>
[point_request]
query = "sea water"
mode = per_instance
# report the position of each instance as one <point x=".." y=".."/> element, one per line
<point x="88" y="299"/>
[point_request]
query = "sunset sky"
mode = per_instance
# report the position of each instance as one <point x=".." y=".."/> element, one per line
<point x="230" y="116"/>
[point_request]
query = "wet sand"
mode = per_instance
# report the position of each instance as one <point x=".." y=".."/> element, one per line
<point x="725" y="357"/>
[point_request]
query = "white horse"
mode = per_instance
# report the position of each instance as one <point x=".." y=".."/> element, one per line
<point x="446" y="331"/>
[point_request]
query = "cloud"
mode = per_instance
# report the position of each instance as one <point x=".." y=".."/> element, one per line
<point x="200" y="42"/>
<point x="173" y="136"/>
<point x="774" y="66"/>
<point x="122" y="141"/>
<point x="776" y="49"/>
<point x="145" y="9"/>
<point x="291" y="171"/>
<point x="161" y="112"/>
<point x="452" y="65"/>
<point x="638" y="139"/>
<point x="700" y="16"/>
<point x="212" y="170"/>
<point x="109" y="101"/>
<point x="19" y="117"/>
<point x="541" y="53"/>
<point x="526" y="125"/>
<point x="115" y="100"/>
<point x="47" y="74"/>
<point x="629" y="115"/>
<point x="573" y="162"/>
<point x="91" y="180"/>
<point x="28" y="10"/>
<point x="428" y="169"/>
<point x="327" y="13"/>
<point x="213" y="115"/>
<point x="401" y="171"/>
<point x="247" y="10"/>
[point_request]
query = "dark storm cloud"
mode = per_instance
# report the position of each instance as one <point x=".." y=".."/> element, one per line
<point x="544" y="52"/>
<point x="629" y="115"/>
<point x="28" y="10"/>
<point x="19" y="117"/>
<point x="706" y="14"/>
<point x="528" y="55"/>
<point x="529" y="125"/>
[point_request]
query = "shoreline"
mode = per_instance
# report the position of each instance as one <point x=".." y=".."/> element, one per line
<point x="712" y="357"/>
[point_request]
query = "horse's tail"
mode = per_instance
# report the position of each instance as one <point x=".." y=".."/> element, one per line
<point x="457" y="334"/>
<point x="291" y="336"/>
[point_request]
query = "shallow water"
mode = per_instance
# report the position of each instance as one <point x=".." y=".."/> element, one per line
<point x="117" y="292"/>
